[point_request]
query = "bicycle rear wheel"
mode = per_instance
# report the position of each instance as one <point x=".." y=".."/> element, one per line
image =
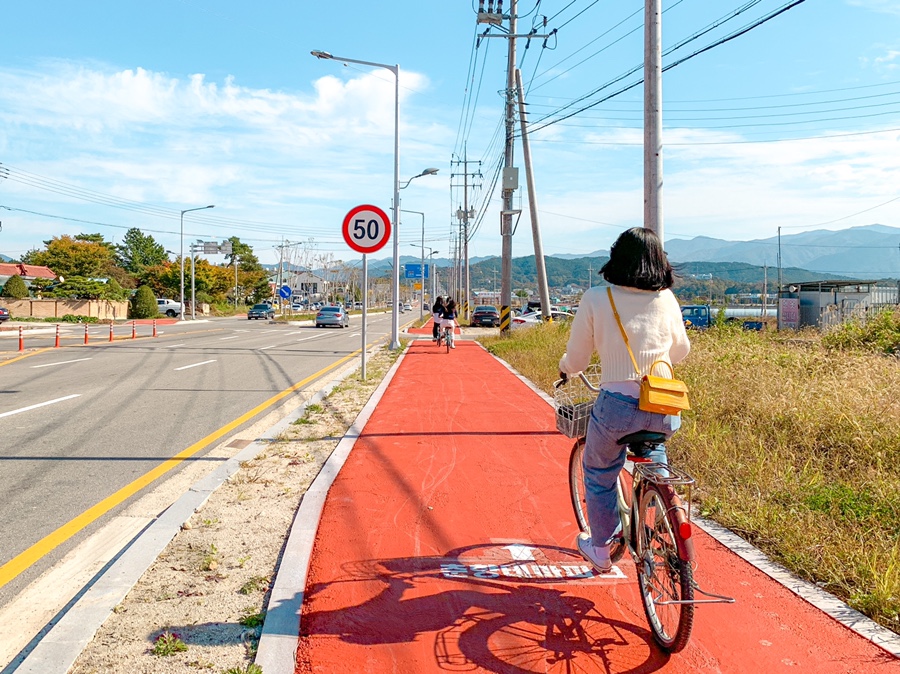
<point x="449" y="339"/>
<point x="664" y="578"/>
<point x="576" y="485"/>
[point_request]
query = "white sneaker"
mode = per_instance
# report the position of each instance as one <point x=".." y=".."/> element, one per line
<point x="598" y="556"/>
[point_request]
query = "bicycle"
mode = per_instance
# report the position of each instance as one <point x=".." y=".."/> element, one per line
<point x="656" y="521"/>
<point x="446" y="335"/>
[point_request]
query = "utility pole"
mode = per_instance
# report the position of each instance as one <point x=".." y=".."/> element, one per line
<point x="510" y="173"/>
<point x="539" y="263"/>
<point x="653" y="117"/>
<point x="780" y="285"/>
<point x="464" y="214"/>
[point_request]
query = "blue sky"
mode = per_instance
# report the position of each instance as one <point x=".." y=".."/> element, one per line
<point x="121" y="114"/>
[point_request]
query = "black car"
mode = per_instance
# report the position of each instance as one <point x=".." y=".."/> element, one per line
<point x="4" y="314"/>
<point x="263" y="311"/>
<point x="485" y="316"/>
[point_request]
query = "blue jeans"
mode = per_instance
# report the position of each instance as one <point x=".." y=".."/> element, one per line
<point x="613" y="416"/>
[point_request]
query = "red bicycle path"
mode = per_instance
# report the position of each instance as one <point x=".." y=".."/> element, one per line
<point x="446" y="543"/>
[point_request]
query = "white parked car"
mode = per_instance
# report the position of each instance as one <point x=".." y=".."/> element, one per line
<point x="170" y="308"/>
<point x="534" y="318"/>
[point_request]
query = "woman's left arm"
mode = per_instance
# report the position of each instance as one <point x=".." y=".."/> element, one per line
<point x="681" y="345"/>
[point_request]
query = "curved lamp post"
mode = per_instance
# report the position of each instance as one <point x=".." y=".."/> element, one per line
<point x="395" y="284"/>
<point x="187" y="210"/>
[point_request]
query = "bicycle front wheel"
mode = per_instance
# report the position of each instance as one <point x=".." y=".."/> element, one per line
<point x="664" y="578"/>
<point x="576" y="485"/>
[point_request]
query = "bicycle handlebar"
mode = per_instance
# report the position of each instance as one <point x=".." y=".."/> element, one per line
<point x="595" y="389"/>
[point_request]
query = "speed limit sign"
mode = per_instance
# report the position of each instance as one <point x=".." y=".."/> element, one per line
<point x="366" y="229"/>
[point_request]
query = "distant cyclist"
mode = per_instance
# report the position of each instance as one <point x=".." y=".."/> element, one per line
<point x="436" y="310"/>
<point x="448" y="317"/>
<point x="640" y="277"/>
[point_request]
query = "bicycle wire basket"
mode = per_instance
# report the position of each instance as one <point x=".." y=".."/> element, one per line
<point x="574" y="401"/>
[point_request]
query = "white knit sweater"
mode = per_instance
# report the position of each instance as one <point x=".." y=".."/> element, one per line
<point x="652" y="321"/>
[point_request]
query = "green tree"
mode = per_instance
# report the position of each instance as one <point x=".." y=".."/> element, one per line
<point x="81" y="288"/>
<point x="139" y="251"/>
<point x="143" y="304"/>
<point x="252" y="278"/>
<point x="15" y="287"/>
<point x="74" y="256"/>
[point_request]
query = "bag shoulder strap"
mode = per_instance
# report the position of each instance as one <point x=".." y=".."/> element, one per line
<point x="612" y="304"/>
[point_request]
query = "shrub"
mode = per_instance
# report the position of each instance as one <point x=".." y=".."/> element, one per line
<point x="15" y="287"/>
<point x="143" y="304"/>
<point x="72" y="318"/>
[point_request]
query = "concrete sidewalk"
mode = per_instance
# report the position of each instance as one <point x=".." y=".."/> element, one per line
<point x="445" y="543"/>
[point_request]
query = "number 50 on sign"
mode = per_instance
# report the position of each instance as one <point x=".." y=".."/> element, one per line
<point x="366" y="228"/>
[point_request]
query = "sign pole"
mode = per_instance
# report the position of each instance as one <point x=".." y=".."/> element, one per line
<point x="366" y="229"/>
<point x="365" y="303"/>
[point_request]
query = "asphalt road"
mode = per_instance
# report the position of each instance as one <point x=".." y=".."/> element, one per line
<point x="81" y="422"/>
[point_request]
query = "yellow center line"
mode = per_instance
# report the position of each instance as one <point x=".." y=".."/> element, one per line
<point x="25" y="559"/>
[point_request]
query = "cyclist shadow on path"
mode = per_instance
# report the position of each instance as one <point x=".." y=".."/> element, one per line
<point x="500" y="626"/>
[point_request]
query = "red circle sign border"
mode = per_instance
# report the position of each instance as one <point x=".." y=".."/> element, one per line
<point x="345" y="228"/>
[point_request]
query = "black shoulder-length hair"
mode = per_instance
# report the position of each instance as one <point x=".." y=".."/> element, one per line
<point x="637" y="260"/>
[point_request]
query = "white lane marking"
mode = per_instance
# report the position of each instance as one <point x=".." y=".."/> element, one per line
<point x="34" y="407"/>
<point x="295" y="332"/>
<point x="186" y="367"/>
<point x="62" y="362"/>
<point x="263" y="348"/>
<point x="313" y="337"/>
<point x="356" y="334"/>
<point x="222" y="339"/>
<point x="263" y="332"/>
<point x="172" y="346"/>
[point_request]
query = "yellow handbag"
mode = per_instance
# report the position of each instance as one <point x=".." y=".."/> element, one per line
<point x="661" y="395"/>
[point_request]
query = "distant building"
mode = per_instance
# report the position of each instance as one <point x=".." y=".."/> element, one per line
<point x="826" y="304"/>
<point x="28" y="272"/>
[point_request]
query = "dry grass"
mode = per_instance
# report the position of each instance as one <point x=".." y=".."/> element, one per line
<point x="795" y="446"/>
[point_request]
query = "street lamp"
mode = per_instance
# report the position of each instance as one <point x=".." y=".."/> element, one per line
<point x="187" y="210"/>
<point x="395" y="285"/>
<point x="421" y="268"/>
<point x="426" y="172"/>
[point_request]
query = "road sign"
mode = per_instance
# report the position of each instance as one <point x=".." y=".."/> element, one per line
<point x="366" y="228"/>
<point x="414" y="270"/>
<point x="285" y="291"/>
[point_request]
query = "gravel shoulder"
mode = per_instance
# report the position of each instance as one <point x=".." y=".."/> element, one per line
<point x="199" y="607"/>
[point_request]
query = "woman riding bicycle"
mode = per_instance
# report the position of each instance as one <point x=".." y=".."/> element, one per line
<point x="436" y="310"/>
<point x="448" y="318"/>
<point x="640" y="277"/>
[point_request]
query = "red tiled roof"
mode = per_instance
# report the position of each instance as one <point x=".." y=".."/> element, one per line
<point x="27" y="270"/>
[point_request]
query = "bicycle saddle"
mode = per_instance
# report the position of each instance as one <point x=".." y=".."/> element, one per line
<point x="642" y="437"/>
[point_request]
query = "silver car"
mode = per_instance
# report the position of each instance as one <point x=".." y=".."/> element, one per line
<point x="332" y="316"/>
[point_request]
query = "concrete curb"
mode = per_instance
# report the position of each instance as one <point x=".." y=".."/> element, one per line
<point x="822" y="600"/>
<point x="277" y="651"/>
<point x="58" y="649"/>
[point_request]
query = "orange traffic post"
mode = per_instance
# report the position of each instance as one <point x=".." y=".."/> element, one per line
<point x="133" y="330"/>
<point x="110" y="331"/>
<point x="56" y="344"/>
<point x="85" y="334"/>
<point x="154" y="327"/>
<point x="21" y="339"/>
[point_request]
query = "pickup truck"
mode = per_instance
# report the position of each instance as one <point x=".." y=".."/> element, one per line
<point x="699" y="315"/>
<point x="170" y="308"/>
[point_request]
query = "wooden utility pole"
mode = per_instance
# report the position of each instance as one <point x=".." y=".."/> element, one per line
<point x="653" y="174"/>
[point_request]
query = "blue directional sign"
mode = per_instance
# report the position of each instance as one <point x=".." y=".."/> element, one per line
<point x="285" y="291"/>
<point x="414" y="270"/>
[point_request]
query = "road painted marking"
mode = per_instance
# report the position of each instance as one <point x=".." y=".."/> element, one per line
<point x="312" y="337"/>
<point x="263" y="348"/>
<point x="295" y="332"/>
<point x="263" y="332"/>
<point x="24" y="355"/>
<point x="356" y="334"/>
<point x="187" y="367"/>
<point x="222" y="339"/>
<point x="172" y="346"/>
<point x="25" y="559"/>
<point x="522" y="571"/>
<point x="520" y="553"/>
<point x="62" y="362"/>
<point x="44" y="404"/>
